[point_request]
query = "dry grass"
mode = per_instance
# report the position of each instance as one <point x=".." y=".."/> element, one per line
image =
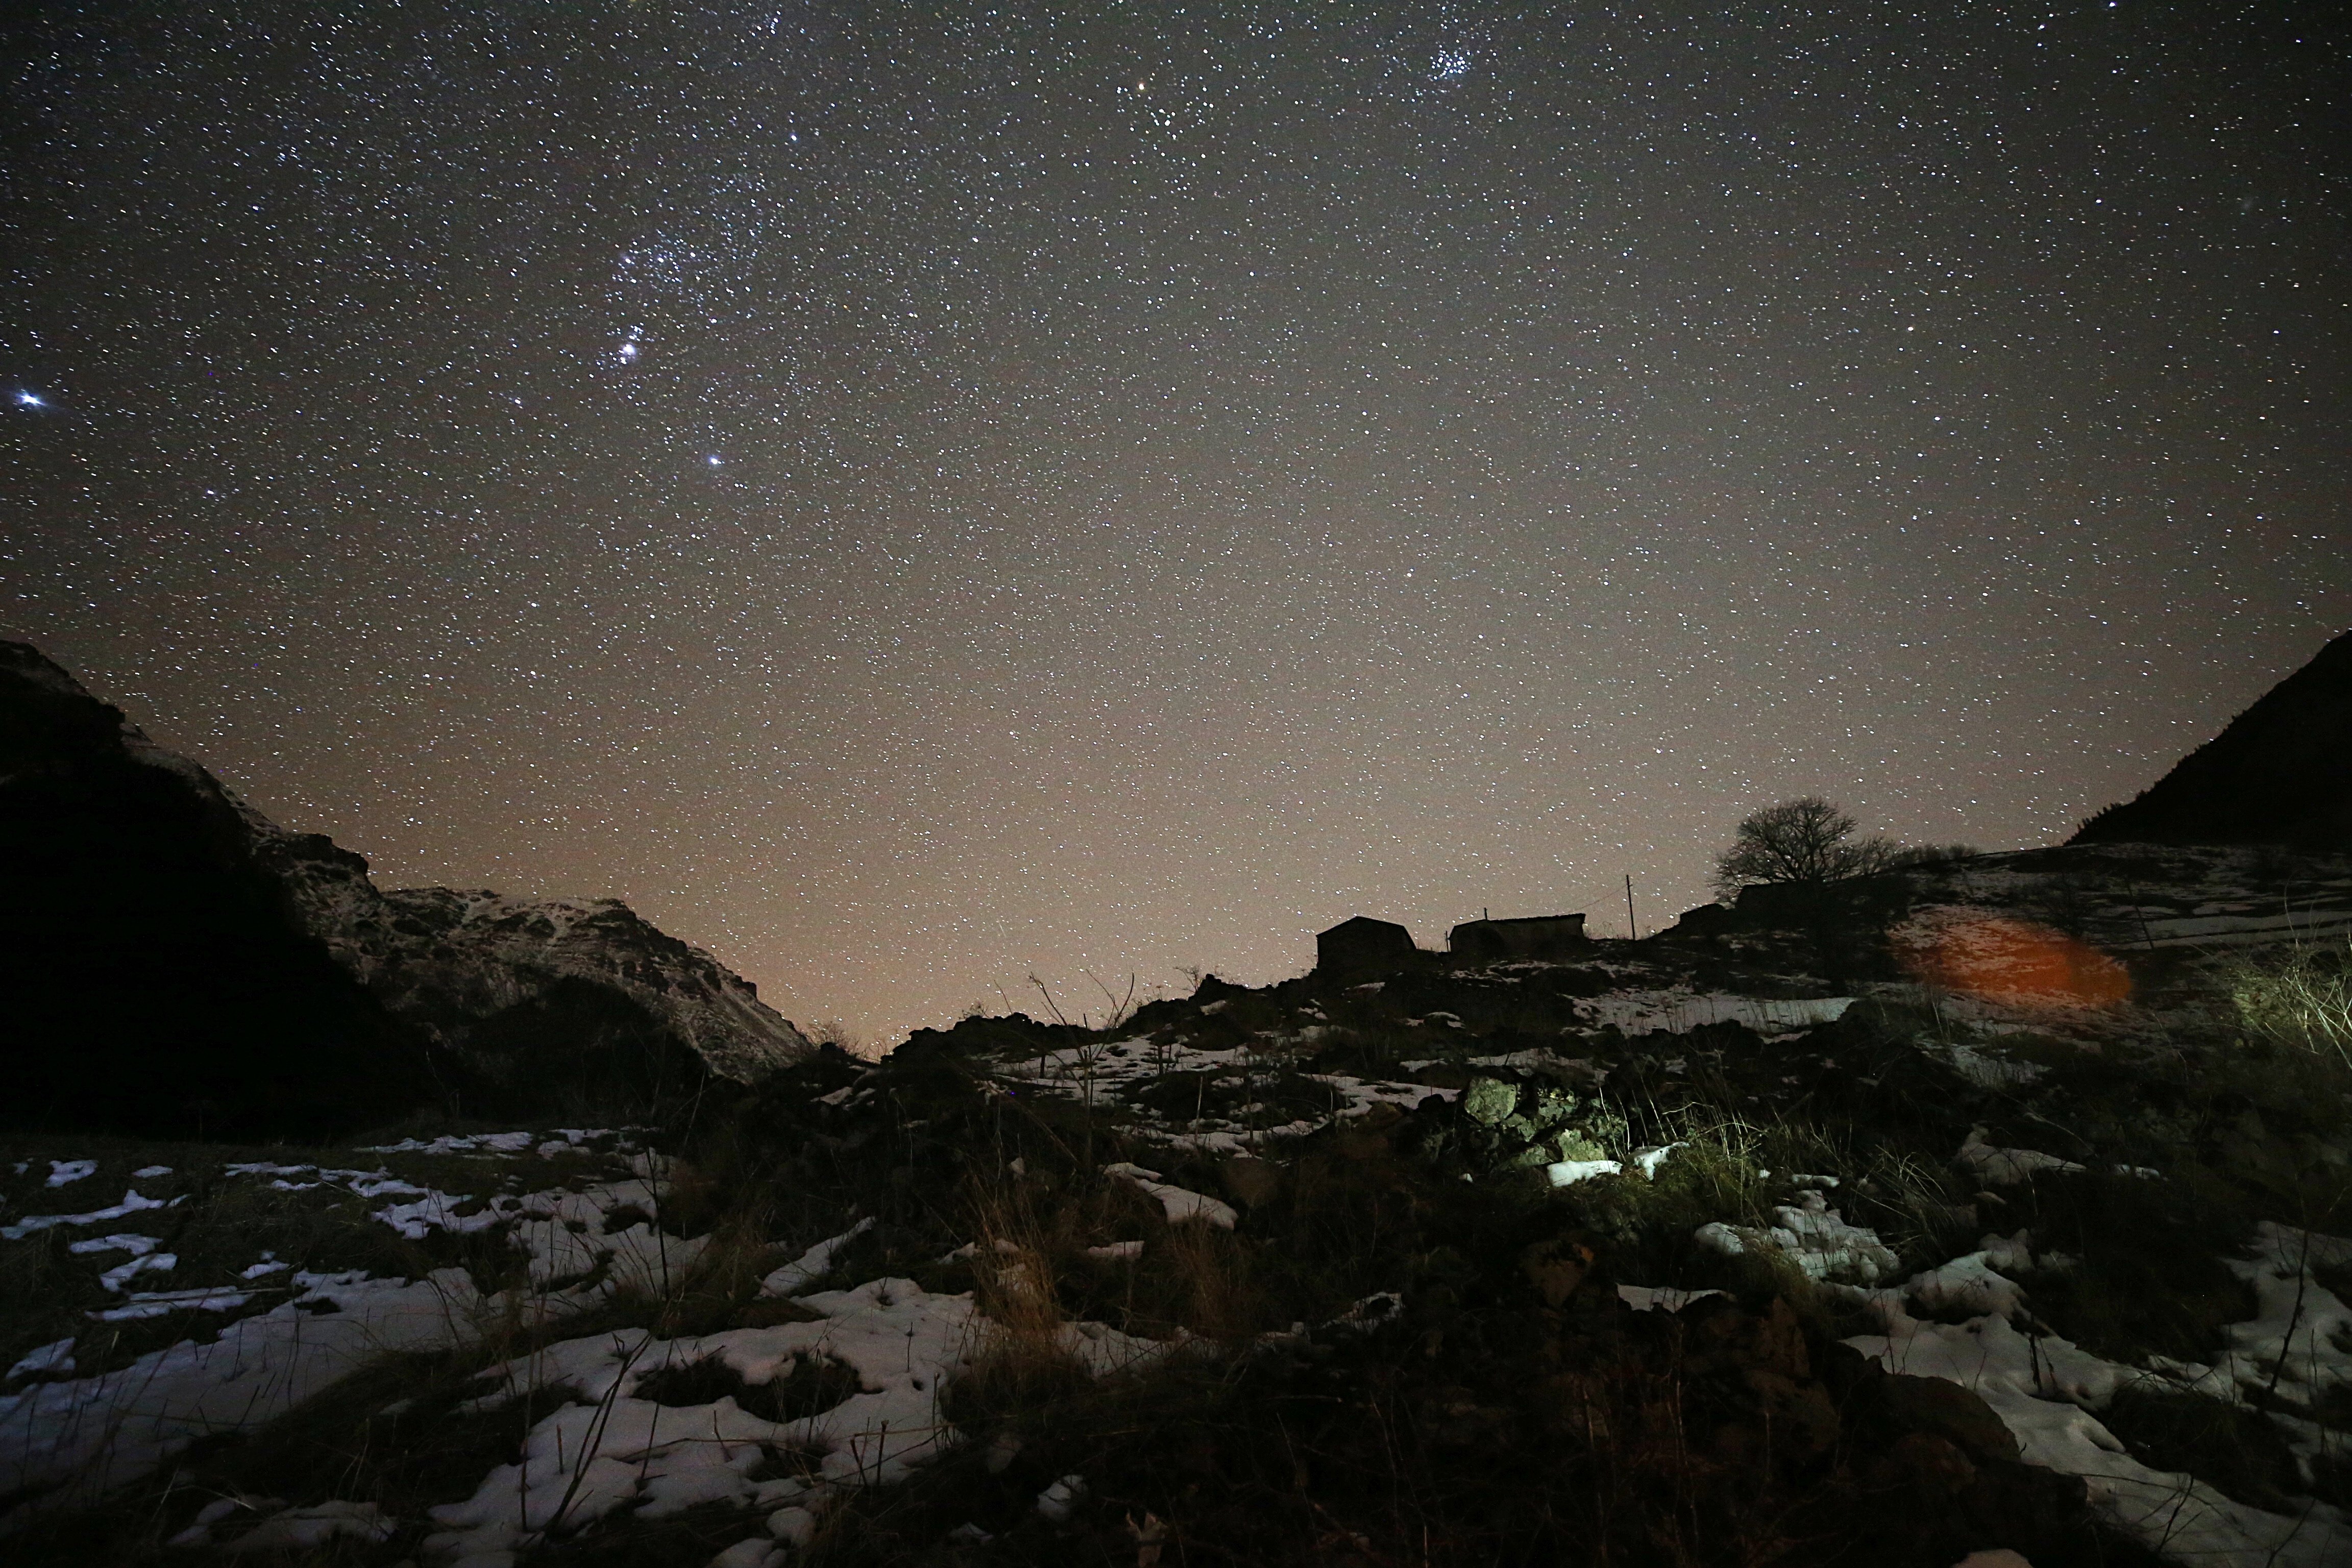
<point x="2302" y="997"/>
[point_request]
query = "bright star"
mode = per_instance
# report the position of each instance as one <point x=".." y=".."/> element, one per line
<point x="714" y="459"/>
<point x="628" y="352"/>
<point x="32" y="400"/>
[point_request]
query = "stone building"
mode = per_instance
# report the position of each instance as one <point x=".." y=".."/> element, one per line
<point x="1533" y="936"/>
<point x="1361" y="947"/>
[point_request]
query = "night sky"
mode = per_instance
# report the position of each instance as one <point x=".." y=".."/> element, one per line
<point x="915" y="498"/>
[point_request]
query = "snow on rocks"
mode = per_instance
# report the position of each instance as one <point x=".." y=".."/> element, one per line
<point x="1645" y="1161"/>
<point x="57" y="1356"/>
<point x="298" y="1529"/>
<point x="64" y="1171"/>
<point x="812" y="1265"/>
<point x="793" y="1525"/>
<point x="1225" y="1141"/>
<point x="1103" y="1350"/>
<point x="2294" y="1349"/>
<point x="611" y="1449"/>
<point x="758" y="1551"/>
<point x="1062" y="1499"/>
<point x="2045" y="1389"/>
<point x="1679" y="1010"/>
<point x="1998" y="1167"/>
<point x="1181" y="1203"/>
<point x="1970" y="1283"/>
<point x="569" y="1140"/>
<point x="568" y="1235"/>
<point x="475" y="1143"/>
<point x="1360" y="1096"/>
<point x="1812" y="1234"/>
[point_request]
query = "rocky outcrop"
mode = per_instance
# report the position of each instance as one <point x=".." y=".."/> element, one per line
<point x="511" y="989"/>
<point x="178" y="964"/>
<point x="2279" y="774"/>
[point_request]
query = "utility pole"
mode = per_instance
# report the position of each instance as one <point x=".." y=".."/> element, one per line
<point x="1631" y="930"/>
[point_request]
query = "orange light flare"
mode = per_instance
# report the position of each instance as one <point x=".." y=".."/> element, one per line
<point x="1997" y="958"/>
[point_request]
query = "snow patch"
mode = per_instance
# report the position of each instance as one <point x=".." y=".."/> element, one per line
<point x="1998" y="1167"/>
<point x="1810" y="1233"/>
<point x="1179" y="1202"/>
<point x="812" y="1265"/>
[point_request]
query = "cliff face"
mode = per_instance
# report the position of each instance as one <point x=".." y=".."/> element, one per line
<point x="2279" y="774"/>
<point x="177" y="963"/>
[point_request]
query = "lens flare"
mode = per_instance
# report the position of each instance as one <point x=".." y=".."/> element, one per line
<point x="1998" y="958"/>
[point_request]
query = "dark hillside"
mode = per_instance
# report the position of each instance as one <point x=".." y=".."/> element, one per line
<point x="2279" y="774"/>
<point x="157" y="981"/>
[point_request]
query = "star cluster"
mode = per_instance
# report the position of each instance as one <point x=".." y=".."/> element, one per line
<point x="918" y="497"/>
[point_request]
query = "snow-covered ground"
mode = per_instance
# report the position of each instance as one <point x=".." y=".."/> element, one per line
<point x="607" y="1445"/>
<point x="82" y="1436"/>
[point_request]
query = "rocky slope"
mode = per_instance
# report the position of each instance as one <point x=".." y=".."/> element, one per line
<point x="182" y="964"/>
<point x="1943" y="1211"/>
<point x="2279" y="774"/>
<point x="1964" y="1213"/>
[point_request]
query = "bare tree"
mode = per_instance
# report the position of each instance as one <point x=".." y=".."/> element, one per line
<point x="1798" y="841"/>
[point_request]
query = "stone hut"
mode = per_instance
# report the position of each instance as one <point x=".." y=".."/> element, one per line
<point x="1364" y="947"/>
<point x="1533" y="936"/>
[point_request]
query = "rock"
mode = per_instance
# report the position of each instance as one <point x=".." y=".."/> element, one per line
<point x="1575" y="1146"/>
<point x="1489" y="1101"/>
<point x="1796" y="1411"/>
<point x="1249" y="1181"/>
<point x="1555" y="1269"/>
<point x="1925" y="1460"/>
<point x="1936" y="1406"/>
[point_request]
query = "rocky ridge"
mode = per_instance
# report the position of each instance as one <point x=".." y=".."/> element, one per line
<point x="136" y="860"/>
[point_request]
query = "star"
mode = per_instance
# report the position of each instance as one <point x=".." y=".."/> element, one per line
<point x="1356" y="500"/>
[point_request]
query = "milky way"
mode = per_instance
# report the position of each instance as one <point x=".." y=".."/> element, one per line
<point x="915" y="501"/>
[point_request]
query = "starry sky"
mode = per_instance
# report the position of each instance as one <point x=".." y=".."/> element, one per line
<point x="915" y="498"/>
